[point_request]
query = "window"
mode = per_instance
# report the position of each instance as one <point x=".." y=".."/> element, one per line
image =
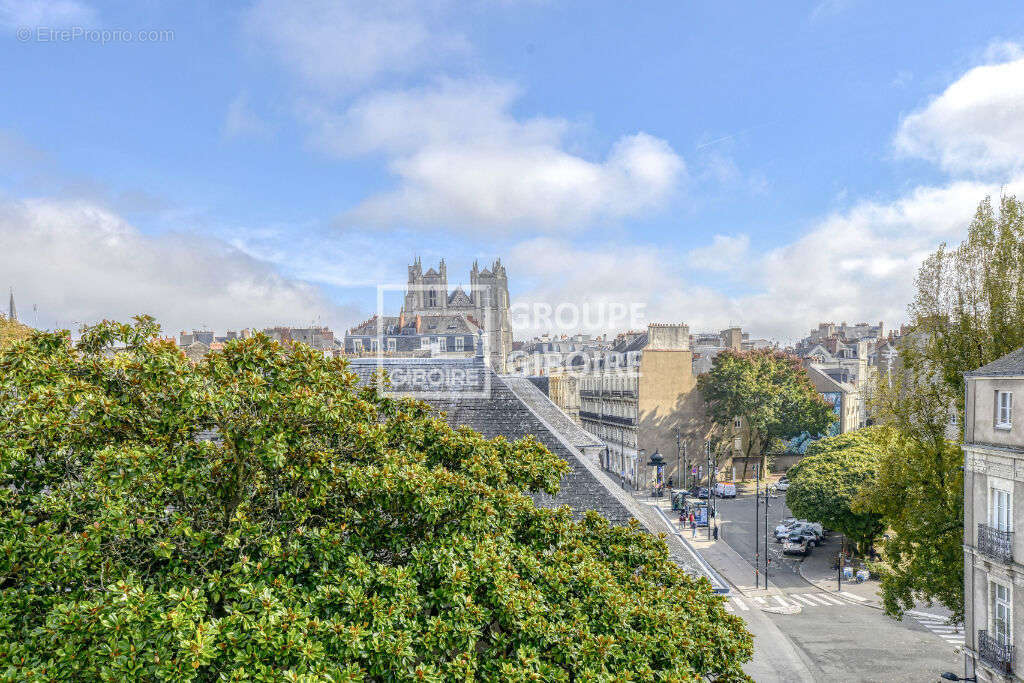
<point x="442" y="343"/>
<point x="432" y="298"/>
<point x="392" y="344"/>
<point x="737" y="423"/>
<point x="357" y="345"/>
<point x="999" y="509"/>
<point x="1004" y="409"/>
<point x="460" y="343"/>
<point x="425" y="343"/>
<point x="1001" y="612"/>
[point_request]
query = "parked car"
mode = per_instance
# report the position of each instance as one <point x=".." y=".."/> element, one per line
<point x="819" y="531"/>
<point x="723" y="490"/>
<point x="702" y="492"/>
<point x="782" y="484"/>
<point x="799" y="543"/>
<point x="783" y="529"/>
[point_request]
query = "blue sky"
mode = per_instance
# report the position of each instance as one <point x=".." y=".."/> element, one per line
<point x="770" y="165"/>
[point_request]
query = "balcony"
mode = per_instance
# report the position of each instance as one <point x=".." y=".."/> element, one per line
<point x="587" y="415"/>
<point x="995" y="653"/>
<point x="995" y="543"/>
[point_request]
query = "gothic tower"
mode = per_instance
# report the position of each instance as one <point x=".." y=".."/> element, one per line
<point x="488" y="303"/>
<point x="12" y="312"/>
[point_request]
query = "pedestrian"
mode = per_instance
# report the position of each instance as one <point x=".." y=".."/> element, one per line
<point x="716" y="532"/>
<point x="693" y="526"/>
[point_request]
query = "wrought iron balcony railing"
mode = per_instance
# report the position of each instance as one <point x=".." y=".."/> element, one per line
<point x="995" y="543"/>
<point x="995" y="652"/>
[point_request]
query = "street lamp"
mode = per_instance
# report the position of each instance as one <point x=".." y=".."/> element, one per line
<point x="658" y="463"/>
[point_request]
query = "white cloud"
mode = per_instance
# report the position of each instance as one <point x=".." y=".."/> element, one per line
<point x="45" y="13"/>
<point x="464" y="161"/>
<point x="854" y="265"/>
<point x="343" y="45"/>
<point x="241" y="121"/>
<point x="977" y="124"/>
<point x="724" y="254"/>
<point x="81" y="263"/>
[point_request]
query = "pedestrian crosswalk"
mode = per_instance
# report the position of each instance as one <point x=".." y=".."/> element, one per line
<point x="940" y="626"/>
<point x="737" y="603"/>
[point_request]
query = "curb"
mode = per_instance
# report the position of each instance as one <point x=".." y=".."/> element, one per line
<point x="725" y="584"/>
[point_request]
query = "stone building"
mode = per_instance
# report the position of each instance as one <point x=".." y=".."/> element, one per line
<point x="644" y="399"/>
<point x="436" y="321"/>
<point x="444" y="336"/>
<point x="993" y="485"/>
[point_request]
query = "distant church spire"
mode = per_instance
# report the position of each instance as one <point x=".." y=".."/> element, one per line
<point x="12" y="312"/>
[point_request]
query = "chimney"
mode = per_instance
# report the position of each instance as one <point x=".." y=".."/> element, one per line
<point x="668" y="337"/>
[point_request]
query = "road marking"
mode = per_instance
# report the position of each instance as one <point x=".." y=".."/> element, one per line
<point x="760" y="602"/>
<point x="851" y="596"/>
<point x="815" y="599"/>
<point x="938" y="625"/>
<point x="781" y="601"/>
<point x="728" y="607"/>
<point x="804" y="600"/>
<point x="739" y="603"/>
<point x="829" y="598"/>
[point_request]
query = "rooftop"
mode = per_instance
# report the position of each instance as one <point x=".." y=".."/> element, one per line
<point x="1010" y="364"/>
<point x="489" y="404"/>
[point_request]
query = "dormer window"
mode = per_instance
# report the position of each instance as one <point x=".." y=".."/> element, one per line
<point x="1004" y="409"/>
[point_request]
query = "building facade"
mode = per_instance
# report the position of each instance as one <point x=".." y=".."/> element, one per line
<point x="643" y="399"/>
<point x="436" y="322"/>
<point x="485" y="305"/>
<point x="993" y="504"/>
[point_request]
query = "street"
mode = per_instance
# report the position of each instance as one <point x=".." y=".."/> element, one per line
<point x="736" y="527"/>
<point x="838" y="638"/>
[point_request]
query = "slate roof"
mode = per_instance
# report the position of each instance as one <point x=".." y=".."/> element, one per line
<point x="540" y="404"/>
<point x="485" y="402"/>
<point x="637" y="343"/>
<point x="1010" y="364"/>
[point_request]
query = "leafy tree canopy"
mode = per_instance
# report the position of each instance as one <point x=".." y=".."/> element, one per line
<point x="770" y="390"/>
<point x="968" y="311"/>
<point x="326" y="533"/>
<point x="826" y="482"/>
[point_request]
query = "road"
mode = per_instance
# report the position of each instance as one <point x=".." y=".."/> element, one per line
<point x="736" y="527"/>
<point x="837" y="639"/>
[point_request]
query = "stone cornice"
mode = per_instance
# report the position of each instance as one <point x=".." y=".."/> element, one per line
<point x="997" y="461"/>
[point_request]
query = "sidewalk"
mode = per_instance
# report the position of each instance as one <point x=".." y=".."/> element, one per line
<point x="817" y="568"/>
<point x="730" y="564"/>
<point x="776" y="658"/>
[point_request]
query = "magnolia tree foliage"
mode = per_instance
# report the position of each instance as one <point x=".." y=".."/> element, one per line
<point x="773" y="394"/>
<point x="825" y="485"/>
<point x="327" y="533"/>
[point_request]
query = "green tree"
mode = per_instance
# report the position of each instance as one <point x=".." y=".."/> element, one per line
<point x="825" y="484"/>
<point x="968" y="311"/>
<point x="326" y="532"/>
<point x="771" y="392"/>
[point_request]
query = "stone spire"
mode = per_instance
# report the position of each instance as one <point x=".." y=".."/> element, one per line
<point x="12" y="312"/>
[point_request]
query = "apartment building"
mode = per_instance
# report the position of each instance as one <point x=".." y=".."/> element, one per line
<point x="642" y="400"/>
<point x="993" y="504"/>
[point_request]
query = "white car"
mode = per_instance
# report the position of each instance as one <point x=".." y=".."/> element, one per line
<point x="782" y="484"/>
<point x="785" y="526"/>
